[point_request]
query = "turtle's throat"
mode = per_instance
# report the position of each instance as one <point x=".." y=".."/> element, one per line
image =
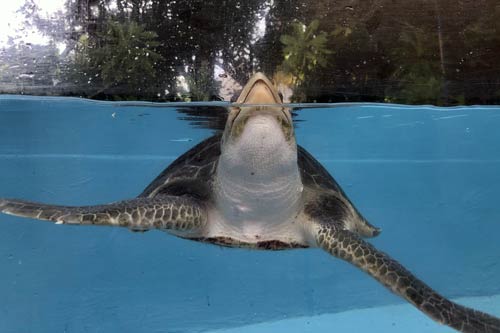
<point x="258" y="176"/>
<point x="242" y="199"/>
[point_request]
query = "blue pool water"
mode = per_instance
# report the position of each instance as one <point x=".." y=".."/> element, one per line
<point x="429" y="177"/>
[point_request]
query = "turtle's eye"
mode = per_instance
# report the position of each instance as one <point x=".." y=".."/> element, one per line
<point x="285" y="126"/>
<point x="238" y="126"/>
<point x="234" y="114"/>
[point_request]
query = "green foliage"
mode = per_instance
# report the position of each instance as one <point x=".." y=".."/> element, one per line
<point x="418" y="73"/>
<point x="304" y="50"/>
<point x="432" y="52"/>
<point x="421" y="86"/>
<point x="201" y="82"/>
<point x="480" y="56"/>
<point x="122" y="54"/>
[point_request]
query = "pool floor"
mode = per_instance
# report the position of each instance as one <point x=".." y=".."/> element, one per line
<point x="385" y="319"/>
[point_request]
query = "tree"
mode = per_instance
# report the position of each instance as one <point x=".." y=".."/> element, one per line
<point x="122" y="58"/>
<point x="202" y="86"/>
<point x="418" y="73"/>
<point x="304" y="50"/>
<point x="439" y="52"/>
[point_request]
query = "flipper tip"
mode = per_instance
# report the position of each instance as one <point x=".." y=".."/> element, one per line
<point x="376" y="232"/>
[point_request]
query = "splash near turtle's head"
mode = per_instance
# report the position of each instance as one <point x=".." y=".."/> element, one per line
<point x="259" y="112"/>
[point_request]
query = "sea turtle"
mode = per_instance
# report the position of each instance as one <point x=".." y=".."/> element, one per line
<point x="254" y="187"/>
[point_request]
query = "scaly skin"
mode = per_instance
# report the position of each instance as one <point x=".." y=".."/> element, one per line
<point x="140" y="214"/>
<point x="351" y="248"/>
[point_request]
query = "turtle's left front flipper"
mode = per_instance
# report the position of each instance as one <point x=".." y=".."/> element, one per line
<point x="350" y="247"/>
<point x="181" y="213"/>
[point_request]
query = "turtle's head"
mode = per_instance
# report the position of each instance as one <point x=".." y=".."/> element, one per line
<point x="259" y="113"/>
<point x="259" y="129"/>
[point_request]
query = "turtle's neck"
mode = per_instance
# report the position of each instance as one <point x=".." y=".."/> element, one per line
<point x="258" y="178"/>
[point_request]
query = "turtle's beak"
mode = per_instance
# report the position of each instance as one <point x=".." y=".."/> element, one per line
<point x="259" y="90"/>
<point x="260" y="109"/>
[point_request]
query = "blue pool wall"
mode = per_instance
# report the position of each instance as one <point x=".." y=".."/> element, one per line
<point x="429" y="177"/>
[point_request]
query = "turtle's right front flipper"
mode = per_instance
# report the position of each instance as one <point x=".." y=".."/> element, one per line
<point x="350" y="247"/>
<point x="181" y="213"/>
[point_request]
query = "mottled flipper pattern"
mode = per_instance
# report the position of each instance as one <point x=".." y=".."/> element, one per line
<point x="350" y="247"/>
<point x="140" y="214"/>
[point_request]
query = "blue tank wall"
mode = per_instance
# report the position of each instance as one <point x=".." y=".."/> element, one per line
<point x="429" y="177"/>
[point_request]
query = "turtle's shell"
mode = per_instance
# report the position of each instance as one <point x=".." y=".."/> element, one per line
<point x="193" y="172"/>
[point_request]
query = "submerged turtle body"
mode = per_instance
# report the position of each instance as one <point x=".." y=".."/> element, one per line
<point x="193" y="173"/>
<point x="254" y="187"/>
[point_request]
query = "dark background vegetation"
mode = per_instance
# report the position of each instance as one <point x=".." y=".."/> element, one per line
<point x="415" y="52"/>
